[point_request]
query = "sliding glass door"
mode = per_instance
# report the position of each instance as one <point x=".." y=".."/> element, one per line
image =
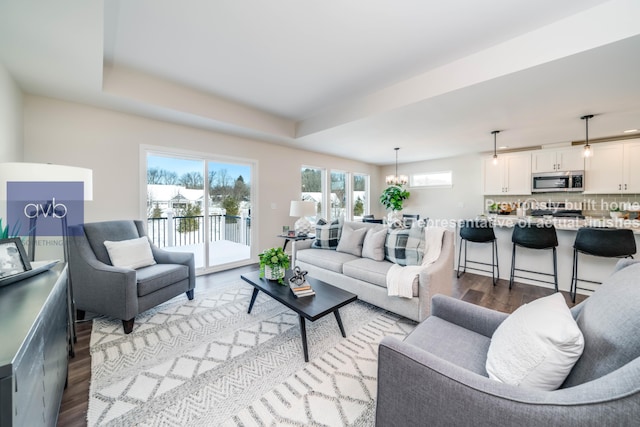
<point x="210" y="218"/>
<point x="229" y="212"/>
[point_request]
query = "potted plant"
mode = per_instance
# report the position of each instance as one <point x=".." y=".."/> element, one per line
<point x="615" y="212"/>
<point x="273" y="263"/>
<point x="393" y="197"/>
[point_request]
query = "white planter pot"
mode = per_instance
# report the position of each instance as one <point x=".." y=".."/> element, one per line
<point x="394" y="217"/>
<point x="275" y="273"/>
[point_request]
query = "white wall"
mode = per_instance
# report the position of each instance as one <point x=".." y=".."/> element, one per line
<point x="109" y="143"/>
<point x="10" y="118"/>
<point x="463" y="200"/>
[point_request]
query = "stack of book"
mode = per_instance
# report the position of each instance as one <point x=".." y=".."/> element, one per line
<point x="303" y="290"/>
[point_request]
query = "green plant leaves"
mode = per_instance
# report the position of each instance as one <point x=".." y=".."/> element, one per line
<point x="393" y="197"/>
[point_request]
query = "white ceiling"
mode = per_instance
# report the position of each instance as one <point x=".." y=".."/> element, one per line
<point x="351" y="78"/>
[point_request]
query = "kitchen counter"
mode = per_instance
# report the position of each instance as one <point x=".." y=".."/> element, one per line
<point x="591" y="267"/>
<point x="570" y="223"/>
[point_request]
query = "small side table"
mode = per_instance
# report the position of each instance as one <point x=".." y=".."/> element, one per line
<point x="288" y="238"/>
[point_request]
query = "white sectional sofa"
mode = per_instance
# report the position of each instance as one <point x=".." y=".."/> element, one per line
<point x="366" y="277"/>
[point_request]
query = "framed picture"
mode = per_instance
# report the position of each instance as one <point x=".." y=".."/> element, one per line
<point x="13" y="258"/>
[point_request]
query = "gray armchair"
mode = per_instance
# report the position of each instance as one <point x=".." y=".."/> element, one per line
<point x="99" y="287"/>
<point x="437" y="375"/>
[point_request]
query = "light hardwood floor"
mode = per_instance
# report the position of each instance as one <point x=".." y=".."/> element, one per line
<point x="469" y="287"/>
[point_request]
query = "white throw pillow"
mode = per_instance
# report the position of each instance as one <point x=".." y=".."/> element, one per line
<point x="351" y="240"/>
<point x="373" y="245"/>
<point x="536" y="346"/>
<point x="134" y="253"/>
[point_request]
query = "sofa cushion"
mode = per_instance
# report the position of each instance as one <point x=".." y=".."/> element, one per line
<point x="368" y="270"/>
<point x="405" y="246"/>
<point x="373" y="245"/>
<point x="610" y="323"/>
<point x="351" y="240"/>
<point x="159" y="276"/>
<point x="453" y="343"/>
<point x="132" y="253"/>
<point x="536" y="346"/>
<point x="329" y="260"/>
<point x="327" y="235"/>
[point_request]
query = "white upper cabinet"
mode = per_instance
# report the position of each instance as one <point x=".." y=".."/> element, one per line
<point x="553" y="160"/>
<point x="631" y="169"/>
<point x="512" y="174"/>
<point x="613" y="168"/>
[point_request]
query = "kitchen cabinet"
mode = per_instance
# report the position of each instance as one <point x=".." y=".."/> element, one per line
<point x="512" y="174"/>
<point x="554" y="160"/>
<point x="33" y="356"/>
<point x="613" y="168"/>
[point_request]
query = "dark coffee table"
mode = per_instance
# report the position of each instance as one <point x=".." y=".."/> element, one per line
<point x="328" y="299"/>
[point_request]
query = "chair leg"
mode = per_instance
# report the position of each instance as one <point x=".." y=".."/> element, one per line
<point x="513" y="266"/>
<point x="460" y="257"/>
<point x="555" y="268"/>
<point x="190" y="294"/>
<point x="494" y="262"/>
<point x="80" y="314"/>
<point x="128" y="325"/>
<point x="574" y="277"/>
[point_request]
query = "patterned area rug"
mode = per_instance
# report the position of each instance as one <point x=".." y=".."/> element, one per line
<point x="207" y="362"/>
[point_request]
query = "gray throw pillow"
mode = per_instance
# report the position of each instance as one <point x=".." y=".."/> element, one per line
<point x="405" y="246"/>
<point x="373" y="245"/>
<point x="351" y="240"/>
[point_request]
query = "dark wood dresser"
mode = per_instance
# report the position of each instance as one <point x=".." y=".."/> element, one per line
<point x="33" y="348"/>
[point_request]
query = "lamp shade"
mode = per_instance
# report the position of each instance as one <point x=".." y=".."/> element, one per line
<point x="301" y="209"/>
<point x="43" y="172"/>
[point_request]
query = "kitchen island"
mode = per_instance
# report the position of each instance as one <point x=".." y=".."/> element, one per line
<point x="591" y="267"/>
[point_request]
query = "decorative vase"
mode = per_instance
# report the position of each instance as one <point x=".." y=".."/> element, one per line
<point x="273" y="273"/>
<point x="394" y="217"/>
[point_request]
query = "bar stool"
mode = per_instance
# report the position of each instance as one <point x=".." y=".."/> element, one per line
<point x="602" y="242"/>
<point x="534" y="236"/>
<point x="478" y="231"/>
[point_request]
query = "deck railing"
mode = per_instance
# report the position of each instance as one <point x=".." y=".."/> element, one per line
<point x="172" y="231"/>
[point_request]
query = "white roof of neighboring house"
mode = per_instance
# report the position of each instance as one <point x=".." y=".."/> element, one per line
<point x="164" y="193"/>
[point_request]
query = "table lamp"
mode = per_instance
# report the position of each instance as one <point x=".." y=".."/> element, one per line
<point x="45" y="176"/>
<point x="302" y="210"/>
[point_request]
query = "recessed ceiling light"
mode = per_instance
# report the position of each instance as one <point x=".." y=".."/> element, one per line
<point x="630" y="131"/>
<point x="502" y="147"/>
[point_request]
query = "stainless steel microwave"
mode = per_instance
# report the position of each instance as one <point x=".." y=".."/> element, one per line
<point x="557" y="181"/>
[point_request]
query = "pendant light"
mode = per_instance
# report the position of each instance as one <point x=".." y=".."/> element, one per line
<point x="397" y="179"/>
<point x="495" y="153"/>
<point x="587" y="147"/>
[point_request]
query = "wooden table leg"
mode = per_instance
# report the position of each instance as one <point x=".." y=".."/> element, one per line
<point x="303" y="333"/>
<point x="253" y="298"/>
<point x="337" y="314"/>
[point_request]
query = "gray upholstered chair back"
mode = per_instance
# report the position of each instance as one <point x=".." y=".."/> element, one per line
<point x="610" y="323"/>
<point x="98" y="232"/>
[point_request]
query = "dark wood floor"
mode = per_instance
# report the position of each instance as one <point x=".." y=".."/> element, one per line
<point x="470" y="287"/>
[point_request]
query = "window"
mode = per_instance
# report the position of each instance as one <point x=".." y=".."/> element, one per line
<point x="432" y="179"/>
<point x="360" y="196"/>
<point x="338" y="194"/>
<point x="313" y="188"/>
<point x="348" y="195"/>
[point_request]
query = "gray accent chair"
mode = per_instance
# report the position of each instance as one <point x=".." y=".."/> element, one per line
<point x="437" y="375"/>
<point x="122" y="293"/>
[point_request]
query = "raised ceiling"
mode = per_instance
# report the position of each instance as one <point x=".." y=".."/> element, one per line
<point x="350" y="78"/>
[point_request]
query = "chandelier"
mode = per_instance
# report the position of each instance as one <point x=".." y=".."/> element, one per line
<point x="397" y="179"/>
